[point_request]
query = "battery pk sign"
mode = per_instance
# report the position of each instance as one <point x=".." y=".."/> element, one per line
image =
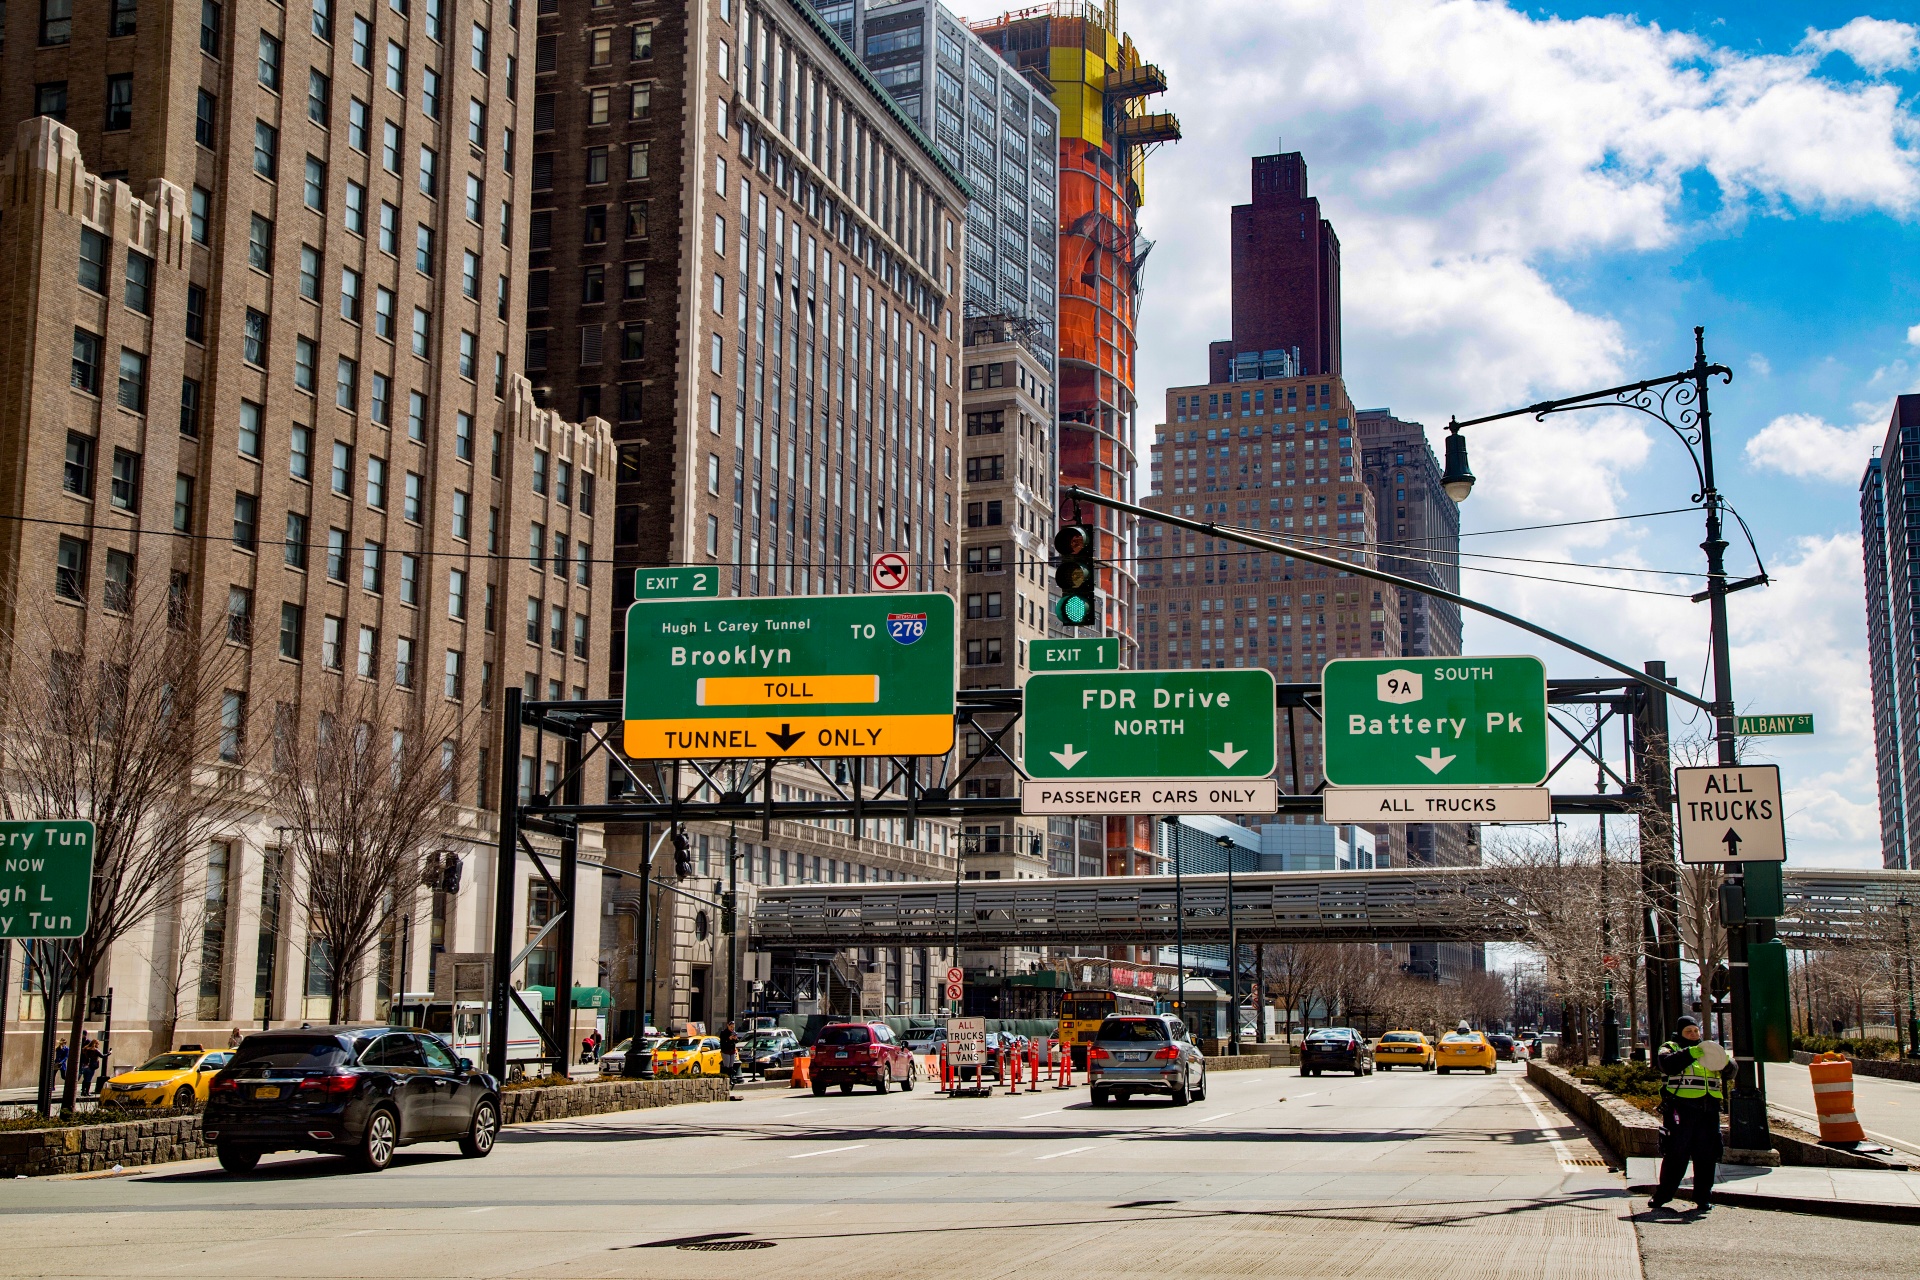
<point x="1426" y="722"/>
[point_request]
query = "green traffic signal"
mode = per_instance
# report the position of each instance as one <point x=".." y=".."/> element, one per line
<point x="1077" y="575"/>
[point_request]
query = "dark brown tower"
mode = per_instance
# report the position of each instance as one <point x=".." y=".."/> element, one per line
<point x="1286" y="280"/>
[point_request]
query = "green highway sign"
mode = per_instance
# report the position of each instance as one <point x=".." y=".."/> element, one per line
<point x="1453" y="722"/>
<point x="1150" y="724"/>
<point x="676" y="583"/>
<point x="46" y="879"/>
<point x="1101" y="654"/>
<point x="1763" y="726"/>
<point x="741" y="677"/>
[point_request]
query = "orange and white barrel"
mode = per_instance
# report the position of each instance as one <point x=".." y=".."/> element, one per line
<point x="1833" y="1098"/>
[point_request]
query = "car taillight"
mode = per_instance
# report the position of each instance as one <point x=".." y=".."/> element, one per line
<point x="329" y="1084"/>
<point x="223" y="1085"/>
<point x="1169" y="1053"/>
<point x="1097" y="1054"/>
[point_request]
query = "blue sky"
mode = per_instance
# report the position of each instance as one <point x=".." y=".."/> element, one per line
<point x="1539" y="200"/>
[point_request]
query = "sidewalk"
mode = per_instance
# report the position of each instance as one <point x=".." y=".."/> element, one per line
<point x="1880" y="1196"/>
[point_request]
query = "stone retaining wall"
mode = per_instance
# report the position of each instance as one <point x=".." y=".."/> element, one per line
<point x="89" y="1148"/>
<point x="1621" y="1125"/>
<point x="1885" y="1070"/>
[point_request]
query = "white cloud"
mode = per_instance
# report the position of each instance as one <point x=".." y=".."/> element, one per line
<point x="1760" y="365"/>
<point x="1800" y="444"/>
<point x="1913" y="336"/>
<point x="1876" y="45"/>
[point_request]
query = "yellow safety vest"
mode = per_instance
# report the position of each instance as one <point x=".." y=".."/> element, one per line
<point x="1695" y="1081"/>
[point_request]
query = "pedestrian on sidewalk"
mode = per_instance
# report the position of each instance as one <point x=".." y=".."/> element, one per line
<point x="89" y="1064"/>
<point x="1689" y="1117"/>
<point x="729" y="1051"/>
<point x="60" y="1059"/>
<point x="233" y="1038"/>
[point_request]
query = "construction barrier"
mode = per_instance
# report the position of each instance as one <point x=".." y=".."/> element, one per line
<point x="803" y="1071"/>
<point x="1064" y="1080"/>
<point x="1833" y="1098"/>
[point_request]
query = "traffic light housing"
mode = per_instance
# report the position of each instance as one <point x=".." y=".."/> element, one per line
<point x="1077" y="575"/>
<point x="682" y="854"/>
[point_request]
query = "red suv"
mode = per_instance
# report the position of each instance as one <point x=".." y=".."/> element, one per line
<point x="850" y="1053"/>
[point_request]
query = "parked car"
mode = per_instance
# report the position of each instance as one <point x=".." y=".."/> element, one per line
<point x="614" y="1061"/>
<point x="687" y="1056"/>
<point x="1466" y="1051"/>
<point x="1502" y="1046"/>
<point x="179" y="1079"/>
<point x="360" y="1091"/>
<point x="1336" y="1049"/>
<point x="850" y="1053"/>
<point x="1145" y="1053"/>
<point x="926" y="1039"/>
<point x="1403" y="1049"/>
<point x="769" y="1049"/>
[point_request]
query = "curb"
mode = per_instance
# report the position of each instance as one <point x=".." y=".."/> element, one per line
<point x="1858" y="1210"/>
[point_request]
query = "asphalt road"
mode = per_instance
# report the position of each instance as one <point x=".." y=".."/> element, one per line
<point x="1392" y="1175"/>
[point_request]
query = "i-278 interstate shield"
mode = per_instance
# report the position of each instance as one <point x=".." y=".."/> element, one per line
<point x="853" y="675"/>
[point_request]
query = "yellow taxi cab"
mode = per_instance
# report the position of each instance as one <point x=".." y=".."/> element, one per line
<point x="1403" y="1049"/>
<point x="688" y="1056"/>
<point x="177" y="1079"/>
<point x="1465" y="1050"/>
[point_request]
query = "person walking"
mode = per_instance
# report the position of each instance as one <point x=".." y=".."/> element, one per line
<point x="233" y="1038"/>
<point x="89" y="1064"/>
<point x="729" y="1051"/>
<point x="60" y="1060"/>
<point x="1689" y="1116"/>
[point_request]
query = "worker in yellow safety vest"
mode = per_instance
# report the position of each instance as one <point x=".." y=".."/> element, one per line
<point x="1689" y="1116"/>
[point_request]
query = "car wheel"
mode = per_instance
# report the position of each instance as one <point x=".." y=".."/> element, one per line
<point x="1491" y="1070"/>
<point x="183" y="1098"/>
<point x="237" y="1159"/>
<point x="819" y="1088"/>
<point x="1200" y="1093"/>
<point x="1386" y="1066"/>
<point x="880" y="1081"/>
<point x="1443" y="1071"/>
<point x="377" y="1142"/>
<point x="913" y="1072"/>
<point x="1182" y="1094"/>
<point x="483" y="1129"/>
<point x="1101" y="1097"/>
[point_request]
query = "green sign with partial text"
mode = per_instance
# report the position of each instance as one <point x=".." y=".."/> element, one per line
<point x="677" y="582"/>
<point x="1092" y="654"/>
<point x="46" y="879"/>
<point x="1772" y="726"/>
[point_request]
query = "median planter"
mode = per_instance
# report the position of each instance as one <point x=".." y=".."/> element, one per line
<point x="1625" y="1128"/>
<point x="89" y="1148"/>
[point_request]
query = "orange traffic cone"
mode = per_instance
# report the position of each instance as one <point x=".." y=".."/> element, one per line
<point x="1833" y="1098"/>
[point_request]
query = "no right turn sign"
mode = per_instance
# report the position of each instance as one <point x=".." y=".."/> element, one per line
<point x="1730" y="814"/>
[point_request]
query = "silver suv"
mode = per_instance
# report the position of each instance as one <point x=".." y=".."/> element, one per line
<point x="1145" y="1053"/>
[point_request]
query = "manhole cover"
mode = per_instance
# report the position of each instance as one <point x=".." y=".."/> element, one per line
<point x="725" y="1246"/>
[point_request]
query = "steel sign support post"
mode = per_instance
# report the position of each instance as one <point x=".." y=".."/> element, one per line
<point x="505" y="879"/>
<point x="569" y="898"/>
<point x="1233" y="957"/>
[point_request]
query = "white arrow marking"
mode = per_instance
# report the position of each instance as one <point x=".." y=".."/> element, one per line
<point x="1069" y="757"/>
<point x="1434" y="760"/>
<point x="1228" y="757"/>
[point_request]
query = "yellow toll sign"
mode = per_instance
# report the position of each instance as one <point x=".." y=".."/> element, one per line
<point x="761" y="691"/>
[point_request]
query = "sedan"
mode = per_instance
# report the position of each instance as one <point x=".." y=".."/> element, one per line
<point x="1145" y="1053"/>
<point x="1502" y="1046"/>
<point x="687" y="1056"/>
<point x="1403" y="1049"/>
<point x="768" y="1050"/>
<point x="614" y="1061"/>
<point x="360" y="1091"/>
<point x="1336" y="1049"/>
<point x="179" y="1079"/>
<point x="1466" y="1051"/>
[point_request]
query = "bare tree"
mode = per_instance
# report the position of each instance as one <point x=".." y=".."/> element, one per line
<point x="1290" y="976"/>
<point x="365" y="790"/>
<point x="133" y="721"/>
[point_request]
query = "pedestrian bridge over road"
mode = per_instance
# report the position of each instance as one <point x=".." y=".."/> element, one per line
<point x="1465" y="904"/>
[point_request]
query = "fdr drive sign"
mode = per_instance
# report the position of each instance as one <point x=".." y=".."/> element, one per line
<point x="737" y="678"/>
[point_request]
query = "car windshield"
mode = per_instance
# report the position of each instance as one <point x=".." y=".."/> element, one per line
<point x="1133" y="1029"/>
<point x="1400" y="1037"/>
<point x="299" y="1053"/>
<point x="1460" y="1037"/>
<point x="840" y="1037"/>
<point x="170" y="1062"/>
<point x="684" y="1044"/>
<point x="622" y="1047"/>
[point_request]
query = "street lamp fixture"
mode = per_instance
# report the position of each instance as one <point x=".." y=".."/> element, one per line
<point x="1457" y="479"/>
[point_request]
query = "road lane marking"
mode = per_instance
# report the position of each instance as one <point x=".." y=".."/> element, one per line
<point x="1902" y="1143"/>
<point x="1560" y="1149"/>
<point x="784" y="1114"/>
<point x="804" y="1155"/>
<point x="1205" y="1119"/>
<point x="1072" y="1151"/>
<point x="1036" y="1115"/>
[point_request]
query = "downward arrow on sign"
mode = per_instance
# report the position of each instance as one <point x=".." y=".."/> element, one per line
<point x="1434" y="760"/>
<point x="1069" y="757"/>
<point x="1228" y="756"/>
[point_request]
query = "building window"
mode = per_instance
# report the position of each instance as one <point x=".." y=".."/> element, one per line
<point x="70" y="570"/>
<point x="139" y="290"/>
<point x="189" y="408"/>
<point x="119" y="103"/>
<point x="183" y="502"/>
<point x="370" y="567"/>
<point x="86" y="362"/>
<point x="295" y="550"/>
<point x="239" y="615"/>
<point x="260" y="243"/>
<point x="266" y="149"/>
<point x="50" y="99"/>
<point x="292" y="620"/>
<point x="118" y="593"/>
<point x="269" y="72"/>
<point x="254" y="346"/>
<point x="76" y="476"/>
<point x="133" y="381"/>
<point x="368" y="654"/>
<point x="246" y="520"/>
<point x="123" y="490"/>
<point x="330" y="628"/>
<point x="233" y="721"/>
<point x="314" y="189"/>
<point x="403" y="663"/>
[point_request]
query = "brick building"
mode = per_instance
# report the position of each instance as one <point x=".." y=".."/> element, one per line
<point x="746" y="257"/>
<point x="260" y="260"/>
<point x="1286" y="279"/>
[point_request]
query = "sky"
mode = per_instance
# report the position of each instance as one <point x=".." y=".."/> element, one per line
<point x="1535" y="201"/>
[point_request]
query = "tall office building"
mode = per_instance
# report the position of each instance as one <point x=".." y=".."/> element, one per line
<point x="1286" y="279"/>
<point x="256" y="268"/>
<point x="749" y="258"/>
<point x="1889" y="526"/>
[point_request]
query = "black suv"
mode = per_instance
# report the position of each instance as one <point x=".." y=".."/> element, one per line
<point x="358" y="1091"/>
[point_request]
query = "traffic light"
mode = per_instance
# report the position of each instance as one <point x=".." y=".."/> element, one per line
<point x="450" y="873"/>
<point x="682" y="854"/>
<point x="728" y="906"/>
<point x="1077" y="575"/>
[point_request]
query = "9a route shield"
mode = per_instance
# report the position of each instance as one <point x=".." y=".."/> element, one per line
<point x="738" y="678"/>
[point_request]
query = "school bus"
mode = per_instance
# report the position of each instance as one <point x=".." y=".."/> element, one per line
<point x="1081" y="1012"/>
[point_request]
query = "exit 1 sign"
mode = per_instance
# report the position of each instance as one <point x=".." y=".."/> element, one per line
<point x="1091" y="654"/>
